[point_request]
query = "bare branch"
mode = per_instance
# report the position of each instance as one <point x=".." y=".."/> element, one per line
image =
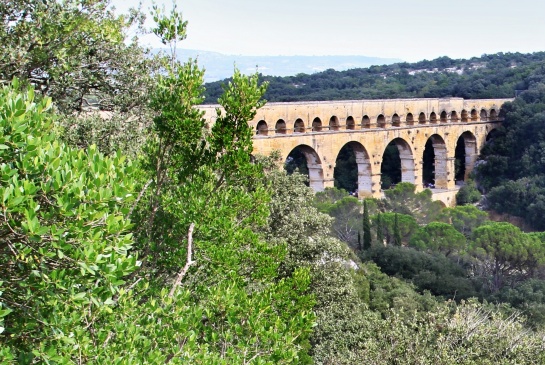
<point x="139" y="197"/>
<point x="188" y="263"/>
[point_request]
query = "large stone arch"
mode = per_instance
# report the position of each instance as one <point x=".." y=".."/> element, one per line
<point x="314" y="165"/>
<point x="408" y="173"/>
<point x="491" y="134"/>
<point x="440" y="162"/>
<point x="363" y="162"/>
<point x="470" y="151"/>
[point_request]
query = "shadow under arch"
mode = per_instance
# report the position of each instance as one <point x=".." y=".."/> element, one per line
<point x="262" y="129"/>
<point x="397" y="163"/>
<point x="435" y="163"/>
<point x="299" y="126"/>
<point x="307" y="156"/>
<point x="280" y="127"/>
<point x="465" y="156"/>
<point x="353" y="169"/>
<point x="441" y="203"/>
<point x="492" y="134"/>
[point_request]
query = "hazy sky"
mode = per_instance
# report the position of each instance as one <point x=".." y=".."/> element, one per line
<point x="408" y="29"/>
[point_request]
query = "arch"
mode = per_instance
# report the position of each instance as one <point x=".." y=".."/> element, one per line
<point x="381" y="121"/>
<point x="409" y="119"/>
<point x="483" y="115"/>
<point x="433" y="118"/>
<point x="465" y="155"/>
<point x="333" y="123"/>
<point x="299" y="126"/>
<point x="353" y="153"/>
<point x="421" y="118"/>
<point x="443" y="117"/>
<point x="262" y="129"/>
<point x="317" y="125"/>
<point x="491" y="134"/>
<point x="280" y="127"/>
<point x="474" y="115"/>
<point x="493" y="114"/>
<point x="464" y="116"/>
<point x="313" y="164"/>
<point x="435" y="163"/>
<point x="396" y="121"/>
<point x="453" y="117"/>
<point x="405" y="163"/>
<point x="502" y="113"/>
<point x="350" y="124"/>
<point x="365" y="122"/>
<point x="441" y="203"/>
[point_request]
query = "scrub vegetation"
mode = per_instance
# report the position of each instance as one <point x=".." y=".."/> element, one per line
<point x="132" y="232"/>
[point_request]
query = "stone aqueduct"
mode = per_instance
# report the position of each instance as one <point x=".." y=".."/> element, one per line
<point x="321" y="129"/>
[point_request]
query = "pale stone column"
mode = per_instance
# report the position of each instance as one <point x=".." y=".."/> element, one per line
<point x="451" y="183"/>
<point x="365" y="181"/>
<point x="471" y="157"/>
<point x="408" y="169"/>
<point x="441" y="166"/>
<point x="376" y="191"/>
<point x="316" y="177"/>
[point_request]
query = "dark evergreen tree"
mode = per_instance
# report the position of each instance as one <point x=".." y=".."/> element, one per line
<point x="397" y="233"/>
<point x="380" y="229"/>
<point x="366" y="227"/>
<point x="360" y="243"/>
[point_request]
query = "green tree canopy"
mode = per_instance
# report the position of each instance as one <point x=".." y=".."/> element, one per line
<point x="437" y="236"/>
<point x="403" y="199"/>
<point x="464" y="218"/>
<point x="65" y="233"/>
<point x="502" y="249"/>
<point x="406" y="224"/>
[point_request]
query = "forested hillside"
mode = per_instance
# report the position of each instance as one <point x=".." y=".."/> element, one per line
<point x="489" y="76"/>
<point x="135" y="233"/>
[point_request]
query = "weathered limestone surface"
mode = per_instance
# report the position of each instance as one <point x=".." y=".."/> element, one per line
<point x="321" y="129"/>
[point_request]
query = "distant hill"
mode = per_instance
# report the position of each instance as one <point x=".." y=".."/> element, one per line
<point x="220" y="66"/>
<point x="500" y="75"/>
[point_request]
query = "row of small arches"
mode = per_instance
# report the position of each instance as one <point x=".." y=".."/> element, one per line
<point x="262" y="127"/>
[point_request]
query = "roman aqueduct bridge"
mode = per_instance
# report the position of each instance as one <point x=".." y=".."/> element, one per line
<point x="320" y="129"/>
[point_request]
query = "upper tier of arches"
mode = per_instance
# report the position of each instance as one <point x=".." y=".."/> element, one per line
<point x="335" y="123"/>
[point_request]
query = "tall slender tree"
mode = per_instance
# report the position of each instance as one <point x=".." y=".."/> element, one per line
<point x="380" y="229"/>
<point x="397" y="232"/>
<point x="366" y="227"/>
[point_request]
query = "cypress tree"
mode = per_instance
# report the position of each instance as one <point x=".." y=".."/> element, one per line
<point x="380" y="230"/>
<point x="360" y="244"/>
<point x="366" y="227"/>
<point x="397" y="233"/>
